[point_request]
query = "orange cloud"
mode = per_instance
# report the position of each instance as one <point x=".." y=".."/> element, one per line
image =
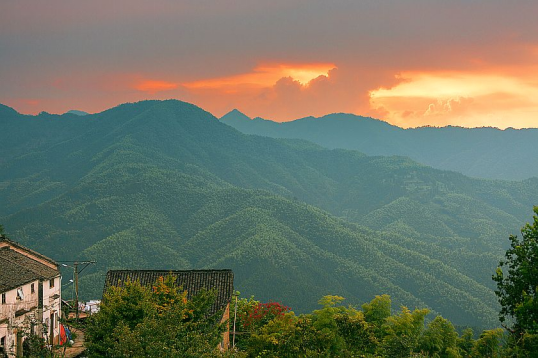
<point x="153" y="86"/>
<point x="27" y="105"/>
<point x="288" y="92"/>
<point x="265" y="75"/>
<point x="460" y="98"/>
<point x="31" y="102"/>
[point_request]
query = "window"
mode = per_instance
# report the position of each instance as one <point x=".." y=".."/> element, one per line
<point x="32" y="288"/>
<point x="3" y="298"/>
<point x="20" y="294"/>
<point x="51" y="283"/>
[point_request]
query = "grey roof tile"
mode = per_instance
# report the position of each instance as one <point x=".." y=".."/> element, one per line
<point x="17" y="269"/>
<point x="190" y="280"/>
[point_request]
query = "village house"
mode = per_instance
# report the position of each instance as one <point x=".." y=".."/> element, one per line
<point x="222" y="281"/>
<point x="30" y="287"/>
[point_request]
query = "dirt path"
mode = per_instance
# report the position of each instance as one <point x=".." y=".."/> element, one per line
<point x="77" y="348"/>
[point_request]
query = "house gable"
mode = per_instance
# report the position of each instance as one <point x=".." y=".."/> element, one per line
<point x="18" y="269"/>
<point x="17" y="247"/>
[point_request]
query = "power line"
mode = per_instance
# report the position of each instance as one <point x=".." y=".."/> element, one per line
<point x="76" y="272"/>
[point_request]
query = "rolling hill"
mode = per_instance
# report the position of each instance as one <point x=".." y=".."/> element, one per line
<point x="164" y="184"/>
<point x="477" y="152"/>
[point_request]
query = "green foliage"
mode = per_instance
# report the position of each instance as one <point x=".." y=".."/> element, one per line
<point x="136" y="321"/>
<point x="163" y="184"/>
<point x="339" y="331"/>
<point x="489" y="344"/>
<point x="378" y="310"/>
<point x="466" y="343"/>
<point x="332" y="331"/>
<point x="439" y="340"/>
<point x="517" y="288"/>
<point x="329" y="341"/>
<point x="403" y="333"/>
<point x="35" y="346"/>
<point x="477" y="152"/>
<point x="278" y="338"/>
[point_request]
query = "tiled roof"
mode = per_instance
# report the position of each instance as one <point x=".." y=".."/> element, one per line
<point x="190" y="280"/>
<point x="4" y="239"/>
<point x="17" y="269"/>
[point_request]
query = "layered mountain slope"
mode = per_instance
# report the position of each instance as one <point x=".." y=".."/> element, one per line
<point x="476" y="152"/>
<point x="166" y="185"/>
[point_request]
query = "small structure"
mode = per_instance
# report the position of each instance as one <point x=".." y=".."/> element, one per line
<point x="91" y="307"/>
<point x="222" y="281"/>
<point x="30" y="287"/>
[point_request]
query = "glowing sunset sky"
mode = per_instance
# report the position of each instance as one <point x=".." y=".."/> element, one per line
<point x="411" y="63"/>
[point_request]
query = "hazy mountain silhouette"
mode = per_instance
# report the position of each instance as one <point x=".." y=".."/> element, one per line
<point x="78" y="113"/>
<point x="477" y="152"/>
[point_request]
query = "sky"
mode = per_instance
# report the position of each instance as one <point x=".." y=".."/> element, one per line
<point x="411" y="63"/>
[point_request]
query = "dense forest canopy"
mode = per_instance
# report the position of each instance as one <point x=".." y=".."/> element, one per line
<point x="478" y="152"/>
<point x="138" y="321"/>
<point x="164" y="184"/>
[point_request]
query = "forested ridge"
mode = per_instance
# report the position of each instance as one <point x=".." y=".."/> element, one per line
<point x="164" y="184"/>
<point x="478" y="152"/>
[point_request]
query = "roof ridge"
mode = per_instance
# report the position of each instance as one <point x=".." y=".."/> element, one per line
<point x="170" y="270"/>
<point x="4" y="238"/>
<point x="192" y="280"/>
<point x="22" y="265"/>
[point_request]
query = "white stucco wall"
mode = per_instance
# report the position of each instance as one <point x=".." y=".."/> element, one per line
<point x="52" y="305"/>
<point x="10" y="322"/>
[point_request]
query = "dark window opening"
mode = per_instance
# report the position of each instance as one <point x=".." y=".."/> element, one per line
<point x="3" y="346"/>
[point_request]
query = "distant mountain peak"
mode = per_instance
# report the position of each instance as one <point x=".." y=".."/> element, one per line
<point x="235" y="115"/>
<point x="236" y="111"/>
<point x="77" y="112"/>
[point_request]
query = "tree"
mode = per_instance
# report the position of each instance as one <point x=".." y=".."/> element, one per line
<point x="466" y="343"/>
<point x="332" y="331"/>
<point x="280" y="337"/>
<point x="377" y="311"/>
<point x="489" y="344"/>
<point x="517" y="287"/>
<point x="439" y="340"/>
<point x="403" y="333"/>
<point x="136" y="321"/>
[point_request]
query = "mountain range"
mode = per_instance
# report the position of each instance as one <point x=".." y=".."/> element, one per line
<point x="165" y="184"/>
<point x="477" y="152"/>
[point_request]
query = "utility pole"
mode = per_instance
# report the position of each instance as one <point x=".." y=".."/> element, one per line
<point x="236" y="295"/>
<point x="76" y="288"/>
<point x="75" y="267"/>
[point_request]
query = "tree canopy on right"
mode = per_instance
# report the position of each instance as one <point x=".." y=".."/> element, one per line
<point x="517" y="287"/>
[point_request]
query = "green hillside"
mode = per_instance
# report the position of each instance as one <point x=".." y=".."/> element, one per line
<point x="478" y="152"/>
<point x="166" y="185"/>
